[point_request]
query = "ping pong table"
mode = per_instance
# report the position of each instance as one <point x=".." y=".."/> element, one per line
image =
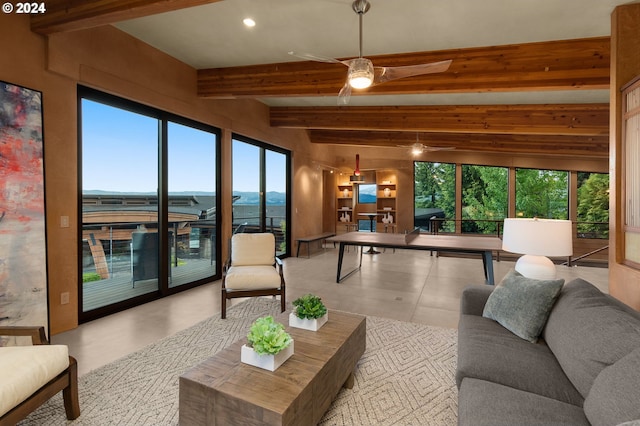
<point x="485" y="246"/>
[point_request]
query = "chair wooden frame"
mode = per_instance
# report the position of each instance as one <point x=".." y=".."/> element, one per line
<point x="280" y="291"/>
<point x="67" y="381"/>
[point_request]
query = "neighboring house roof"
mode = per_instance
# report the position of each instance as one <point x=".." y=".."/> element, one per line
<point x="123" y="207"/>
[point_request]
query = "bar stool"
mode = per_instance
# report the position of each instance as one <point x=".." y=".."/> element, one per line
<point x="351" y="227"/>
<point x="390" y="227"/>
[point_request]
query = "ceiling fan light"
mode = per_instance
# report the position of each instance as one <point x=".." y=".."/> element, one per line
<point x="417" y="149"/>
<point x="360" y="73"/>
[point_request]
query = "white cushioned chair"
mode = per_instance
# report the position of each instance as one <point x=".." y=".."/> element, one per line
<point x="32" y="374"/>
<point x="252" y="269"/>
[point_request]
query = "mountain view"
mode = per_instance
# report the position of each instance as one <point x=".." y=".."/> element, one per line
<point x="246" y="198"/>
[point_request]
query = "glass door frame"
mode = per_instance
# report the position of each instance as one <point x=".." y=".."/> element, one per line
<point x="163" y="201"/>
<point x="263" y="185"/>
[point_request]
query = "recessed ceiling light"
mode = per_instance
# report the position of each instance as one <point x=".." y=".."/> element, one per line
<point x="249" y="22"/>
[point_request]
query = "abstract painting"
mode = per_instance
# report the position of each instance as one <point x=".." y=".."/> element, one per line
<point x="23" y="263"/>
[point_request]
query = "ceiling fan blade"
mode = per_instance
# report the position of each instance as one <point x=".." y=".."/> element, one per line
<point x="345" y="94"/>
<point x="439" y="148"/>
<point x="316" y="58"/>
<point x="418" y="148"/>
<point x="384" y="74"/>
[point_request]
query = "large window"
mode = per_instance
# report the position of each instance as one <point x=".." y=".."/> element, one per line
<point x="149" y="210"/>
<point x="631" y="146"/>
<point x="484" y="198"/>
<point x="593" y="205"/>
<point x="435" y="196"/>
<point x="542" y="193"/>
<point x="261" y="188"/>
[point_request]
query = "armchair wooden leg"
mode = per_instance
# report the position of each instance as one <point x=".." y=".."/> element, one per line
<point x="283" y="303"/>
<point x="223" y="300"/>
<point x="70" y="393"/>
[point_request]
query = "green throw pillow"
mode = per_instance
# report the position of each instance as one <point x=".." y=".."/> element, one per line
<point x="522" y="305"/>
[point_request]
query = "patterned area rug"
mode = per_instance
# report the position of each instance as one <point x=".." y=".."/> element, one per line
<point x="405" y="377"/>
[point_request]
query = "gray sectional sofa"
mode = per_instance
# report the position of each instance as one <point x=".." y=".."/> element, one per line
<point x="583" y="370"/>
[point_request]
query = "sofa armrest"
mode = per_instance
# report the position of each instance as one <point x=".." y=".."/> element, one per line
<point x="37" y="334"/>
<point x="474" y="298"/>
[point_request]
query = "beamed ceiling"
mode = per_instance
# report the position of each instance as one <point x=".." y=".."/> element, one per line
<point x="530" y="77"/>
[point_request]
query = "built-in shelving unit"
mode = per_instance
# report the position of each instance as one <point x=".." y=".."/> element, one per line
<point x="386" y="203"/>
<point x="344" y="207"/>
<point x="347" y="209"/>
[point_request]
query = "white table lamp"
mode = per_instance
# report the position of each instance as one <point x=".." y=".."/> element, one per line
<point x="536" y="239"/>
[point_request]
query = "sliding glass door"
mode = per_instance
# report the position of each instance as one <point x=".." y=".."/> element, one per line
<point x="247" y="195"/>
<point x="261" y="188"/>
<point x="149" y="181"/>
<point x="119" y="224"/>
<point x="192" y="203"/>
<point x="275" y="171"/>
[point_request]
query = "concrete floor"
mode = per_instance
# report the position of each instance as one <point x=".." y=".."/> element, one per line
<point x="406" y="285"/>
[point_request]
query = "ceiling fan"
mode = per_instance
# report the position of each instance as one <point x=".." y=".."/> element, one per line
<point x="362" y="73"/>
<point x="418" y="148"/>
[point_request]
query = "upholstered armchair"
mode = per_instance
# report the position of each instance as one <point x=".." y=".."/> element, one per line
<point x="252" y="269"/>
<point x="32" y="374"/>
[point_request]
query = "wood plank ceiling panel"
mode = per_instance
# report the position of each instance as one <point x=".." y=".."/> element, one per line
<point x="70" y="15"/>
<point x="563" y="119"/>
<point x="552" y="65"/>
<point x="573" y="145"/>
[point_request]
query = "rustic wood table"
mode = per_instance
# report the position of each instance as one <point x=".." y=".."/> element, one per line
<point x="222" y="390"/>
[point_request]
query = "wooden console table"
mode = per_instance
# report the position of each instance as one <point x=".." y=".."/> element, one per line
<point x="222" y="390"/>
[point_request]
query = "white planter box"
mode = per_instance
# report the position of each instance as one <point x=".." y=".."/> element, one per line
<point x="267" y="362"/>
<point x="308" y="324"/>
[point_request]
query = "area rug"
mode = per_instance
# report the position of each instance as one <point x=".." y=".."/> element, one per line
<point x="405" y="377"/>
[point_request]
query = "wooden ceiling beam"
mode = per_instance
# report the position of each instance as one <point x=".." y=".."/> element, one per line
<point x="581" y="146"/>
<point x="556" y="119"/>
<point x="551" y="65"/>
<point x="71" y="15"/>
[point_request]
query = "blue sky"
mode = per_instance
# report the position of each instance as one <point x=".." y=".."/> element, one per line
<point x="120" y="154"/>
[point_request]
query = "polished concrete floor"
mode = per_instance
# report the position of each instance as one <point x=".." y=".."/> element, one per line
<point x="406" y="285"/>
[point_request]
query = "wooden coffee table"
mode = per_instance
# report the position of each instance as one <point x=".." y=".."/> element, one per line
<point x="222" y="390"/>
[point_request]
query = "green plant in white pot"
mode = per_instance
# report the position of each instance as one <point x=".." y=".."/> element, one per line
<point x="269" y="344"/>
<point x="309" y="313"/>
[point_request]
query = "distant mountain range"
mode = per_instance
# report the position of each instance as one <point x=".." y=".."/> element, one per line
<point x="273" y="198"/>
<point x="246" y="198"/>
<point x="367" y="198"/>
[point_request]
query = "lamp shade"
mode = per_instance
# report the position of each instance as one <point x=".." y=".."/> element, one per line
<point x="539" y="237"/>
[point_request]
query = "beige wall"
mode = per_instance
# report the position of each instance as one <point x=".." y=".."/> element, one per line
<point x="624" y="282"/>
<point x="107" y="59"/>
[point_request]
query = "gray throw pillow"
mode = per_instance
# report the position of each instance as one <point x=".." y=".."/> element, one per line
<point x="522" y="305"/>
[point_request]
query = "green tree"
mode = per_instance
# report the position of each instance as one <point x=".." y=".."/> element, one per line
<point x="593" y="205"/>
<point x="484" y="197"/>
<point x="542" y="193"/>
<point x="435" y="187"/>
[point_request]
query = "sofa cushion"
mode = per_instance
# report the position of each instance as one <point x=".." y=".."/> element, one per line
<point x="25" y="369"/>
<point x="522" y="304"/>
<point x="488" y="351"/>
<point x="588" y="331"/>
<point x="483" y="403"/>
<point x="615" y="395"/>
